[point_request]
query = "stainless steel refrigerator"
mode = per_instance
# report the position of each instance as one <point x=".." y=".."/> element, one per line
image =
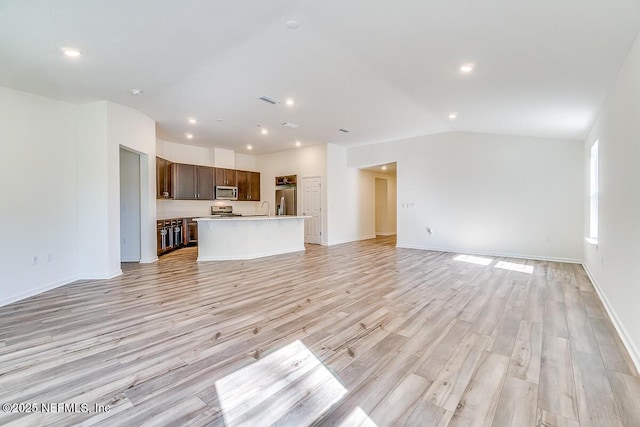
<point x="286" y="201"/>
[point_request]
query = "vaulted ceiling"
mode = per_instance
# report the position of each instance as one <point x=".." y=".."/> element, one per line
<point x="382" y="70"/>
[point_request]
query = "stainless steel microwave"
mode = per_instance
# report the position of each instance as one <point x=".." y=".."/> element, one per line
<point x="224" y="192"/>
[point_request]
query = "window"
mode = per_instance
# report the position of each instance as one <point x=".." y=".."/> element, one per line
<point x="593" y="195"/>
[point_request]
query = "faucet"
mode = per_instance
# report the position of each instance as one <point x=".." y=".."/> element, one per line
<point x="268" y="207"/>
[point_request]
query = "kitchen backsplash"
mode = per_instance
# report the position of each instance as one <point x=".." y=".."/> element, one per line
<point x="194" y="208"/>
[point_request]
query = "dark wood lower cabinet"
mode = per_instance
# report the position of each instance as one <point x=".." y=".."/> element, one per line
<point x="172" y="234"/>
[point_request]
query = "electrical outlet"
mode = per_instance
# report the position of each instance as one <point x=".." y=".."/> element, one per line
<point x="35" y="260"/>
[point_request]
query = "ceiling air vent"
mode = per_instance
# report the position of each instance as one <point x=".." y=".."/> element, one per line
<point x="344" y="130"/>
<point x="267" y="99"/>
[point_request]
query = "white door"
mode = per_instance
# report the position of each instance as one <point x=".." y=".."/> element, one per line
<point x="312" y="207"/>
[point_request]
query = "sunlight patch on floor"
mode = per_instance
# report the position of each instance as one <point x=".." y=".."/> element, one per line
<point x="474" y="259"/>
<point x="522" y="268"/>
<point x="290" y="386"/>
<point x="359" y="418"/>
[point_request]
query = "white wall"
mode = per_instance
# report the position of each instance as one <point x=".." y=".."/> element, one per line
<point x="104" y="127"/>
<point x="350" y="199"/>
<point x="303" y="162"/>
<point x="613" y="264"/>
<point x="224" y="158"/>
<point x="94" y="212"/>
<point x="245" y="162"/>
<point x="182" y="153"/>
<point x="129" y="206"/>
<point x="39" y="194"/>
<point x="488" y="194"/>
<point x="135" y="131"/>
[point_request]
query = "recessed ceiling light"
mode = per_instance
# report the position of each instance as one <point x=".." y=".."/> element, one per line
<point x="218" y="120"/>
<point x="192" y="120"/>
<point x="290" y="101"/>
<point x="293" y="25"/>
<point x="290" y="125"/>
<point x="249" y="147"/>
<point x="135" y="92"/>
<point x="189" y="135"/>
<point x="264" y="131"/>
<point x="73" y="53"/>
<point x="384" y="168"/>
<point x="344" y="130"/>
<point x="298" y="143"/>
<point x="452" y="115"/>
<point x="466" y="68"/>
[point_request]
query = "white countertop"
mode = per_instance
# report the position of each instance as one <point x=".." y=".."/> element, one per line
<point x="249" y="218"/>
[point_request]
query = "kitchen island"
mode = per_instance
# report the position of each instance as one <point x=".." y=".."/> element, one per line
<point x="248" y="237"/>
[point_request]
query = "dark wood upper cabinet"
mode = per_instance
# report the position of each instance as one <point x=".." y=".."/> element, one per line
<point x="180" y="181"/>
<point x="163" y="179"/>
<point x="226" y="177"/>
<point x="184" y="181"/>
<point x="248" y="186"/>
<point x="205" y="183"/>
<point x="191" y="182"/>
<point x="254" y="182"/>
<point x="243" y="185"/>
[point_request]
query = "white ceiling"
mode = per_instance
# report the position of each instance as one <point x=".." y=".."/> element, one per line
<point x="384" y="70"/>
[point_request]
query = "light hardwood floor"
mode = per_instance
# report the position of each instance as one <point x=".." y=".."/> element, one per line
<point x="356" y="334"/>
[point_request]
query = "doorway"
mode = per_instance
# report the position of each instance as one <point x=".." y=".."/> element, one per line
<point x="312" y="206"/>
<point x="384" y="203"/>
<point x="382" y="207"/>
<point x="130" y="250"/>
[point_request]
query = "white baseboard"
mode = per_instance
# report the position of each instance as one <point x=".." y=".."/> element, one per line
<point x="356" y="239"/>
<point x="489" y="253"/>
<point x="380" y="233"/>
<point x="620" y="329"/>
<point x="111" y="275"/>
<point x="31" y="292"/>
<point x="149" y="260"/>
<point x="129" y="259"/>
